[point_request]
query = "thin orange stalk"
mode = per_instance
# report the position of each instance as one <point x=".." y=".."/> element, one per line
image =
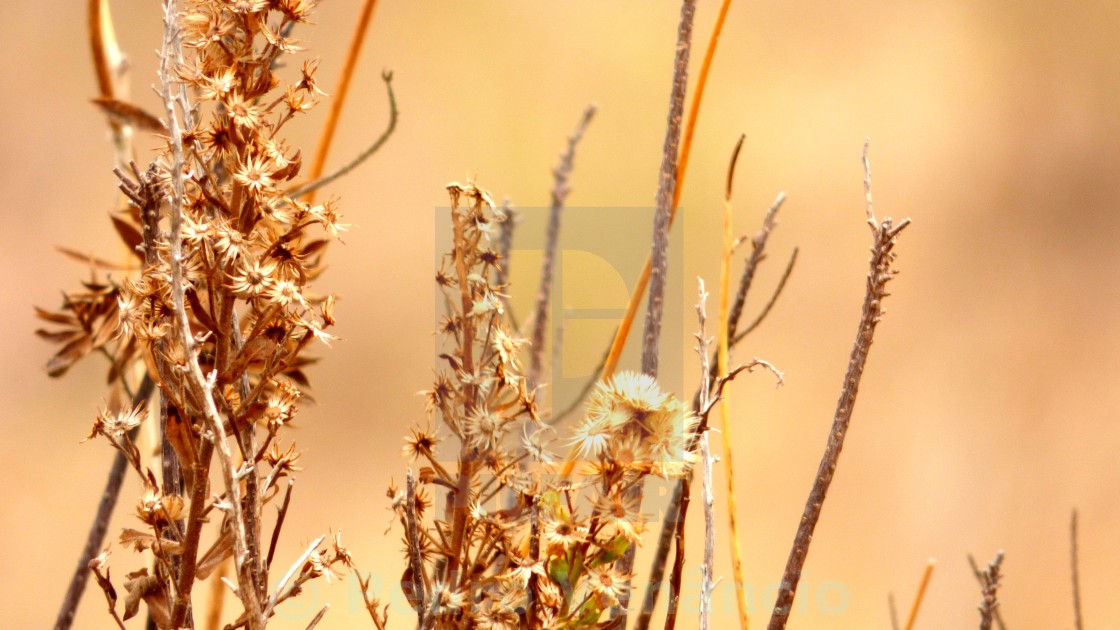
<point x="724" y="407"/>
<point x="339" y="99"/>
<point x="926" y="575"/>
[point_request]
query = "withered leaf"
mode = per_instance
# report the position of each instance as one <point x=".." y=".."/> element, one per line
<point x="129" y="234"/>
<point x="129" y="114"/>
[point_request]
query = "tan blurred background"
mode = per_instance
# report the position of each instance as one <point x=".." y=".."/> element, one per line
<point x="989" y="409"/>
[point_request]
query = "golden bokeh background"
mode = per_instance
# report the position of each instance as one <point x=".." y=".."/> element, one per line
<point x="990" y="406"/>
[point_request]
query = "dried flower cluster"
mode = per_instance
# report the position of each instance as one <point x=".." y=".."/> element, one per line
<point x="217" y="311"/>
<point x="516" y="543"/>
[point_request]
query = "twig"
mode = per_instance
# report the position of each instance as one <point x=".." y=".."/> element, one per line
<point x="96" y="536"/>
<point x="879" y="274"/>
<point x="980" y="578"/>
<point x="707" y="569"/>
<point x="707" y="581"/>
<point x="316" y="184"/>
<point x="560" y="190"/>
<point x="893" y="612"/>
<point x="773" y="300"/>
<point x="673" y="513"/>
<point x="415" y="560"/>
<point x="1074" y="573"/>
<point x="623" y="332"/>
<point x="505" y="245"/>
<point x="281" y="513"/>
<point x="279" y="594"/>
<point x="989" y="584"/>
<point x="725" y="412"/>
<point x="335" y="112"/>
<point x="922" y="586"/>
<point x="318" y="617"/>
<point x="659" y="260"/>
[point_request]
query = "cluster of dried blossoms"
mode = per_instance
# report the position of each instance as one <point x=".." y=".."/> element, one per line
<point x="518" y="544"/>
<point x="217" y="312"/>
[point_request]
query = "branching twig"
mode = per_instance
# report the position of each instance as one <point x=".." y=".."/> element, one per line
<point x="998" y="617"/>
<point x="560" y="190"/>
<point x="415" y="560"/>
<point x="989" y="585"/>
<point x="312" y="186"/>
<point x="893" y="612"/>
<point x="1074" y="573"/>
<point x="880" y="273"/>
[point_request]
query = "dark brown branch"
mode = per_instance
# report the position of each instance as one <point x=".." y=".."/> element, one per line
<point x="879" y="274"/>
<point x="560" y="190"/>
<point x="1074" y="573"/>
<point x="96" y="536"/>
<point x="200" y="491"/>
<point x="893" y="611"/>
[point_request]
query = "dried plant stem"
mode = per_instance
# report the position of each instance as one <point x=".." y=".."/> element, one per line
<point x="311" y="186"/>
<point x="989" y="585"/>
<point x="202" y="389"/>
<point x="922" y="586"/>
<point x="893" y="612"/>
<point x="879" y="274"/>
<point x="674" y="512"/>
<point x="96" y="536"/>
<point x="1074" y="573"/>
<point x="560" y="190"/>
<point x="707" y="570"/>
<point x="335" y="111"/>
<point x="619" y="343"/>
<point x="318" y="617"/>
<point x="998" y="617"/>
<point x="108" y="65"/>
<point x="660" y="243"/>
<point x="725" y="411"/>
<point x="200" y="479"/>
<point x="415" y="560"/>
<point x="217" y="598"/>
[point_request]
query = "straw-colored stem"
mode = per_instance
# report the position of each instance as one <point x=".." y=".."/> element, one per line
<point x="722" y="362"/>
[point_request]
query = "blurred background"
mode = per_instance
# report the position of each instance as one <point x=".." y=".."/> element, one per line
<point x="989" y="409"/>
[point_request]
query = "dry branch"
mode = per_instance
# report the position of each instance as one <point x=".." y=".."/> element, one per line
<point x="880" y="273"/>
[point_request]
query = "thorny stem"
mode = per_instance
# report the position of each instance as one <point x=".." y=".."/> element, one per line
<point x="100" y="526"/>
<point x="880" y="272"/>
<point x="998" y="617"/>
<point x="202" y="388"/>
<point x="560" y="190"/>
